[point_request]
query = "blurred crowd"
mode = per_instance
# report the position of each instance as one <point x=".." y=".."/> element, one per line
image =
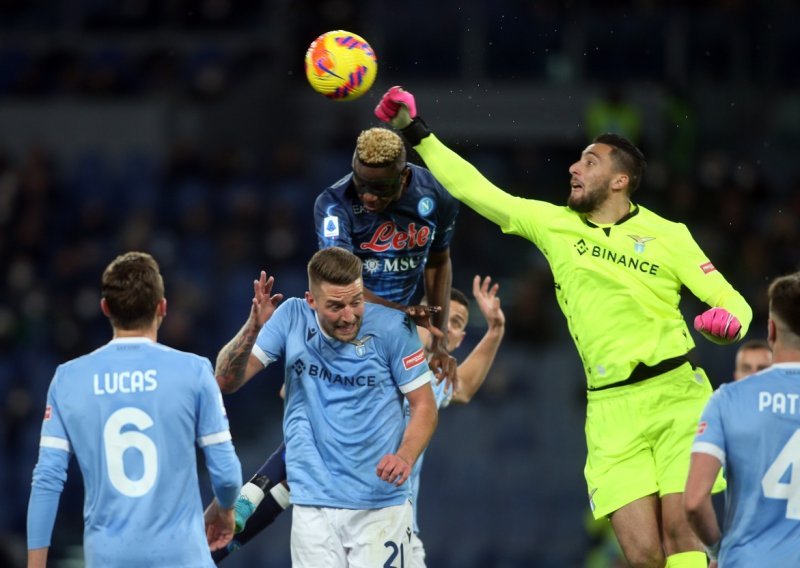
<point x="214" y="214"/>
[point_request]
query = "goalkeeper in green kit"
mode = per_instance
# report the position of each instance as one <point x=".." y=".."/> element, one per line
<point x="618" y="269"/>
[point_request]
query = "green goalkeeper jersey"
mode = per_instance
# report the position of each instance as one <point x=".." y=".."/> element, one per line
<point x="619" y="286"/>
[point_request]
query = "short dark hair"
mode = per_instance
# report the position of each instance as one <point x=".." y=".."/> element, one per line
<point x="334" y="265"/>
<point x="784" y="301"/>
<point x="132" y="287"/>
<point x="627" y="157"/>
<point x="457" y="295"/>
<point x="753" y="344"/>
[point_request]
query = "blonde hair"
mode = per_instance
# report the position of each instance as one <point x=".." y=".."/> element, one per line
<point x="333" y="265"/>
<point x="380" y="147"/>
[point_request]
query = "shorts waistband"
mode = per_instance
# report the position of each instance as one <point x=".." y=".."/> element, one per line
<point x="643" y="372"/>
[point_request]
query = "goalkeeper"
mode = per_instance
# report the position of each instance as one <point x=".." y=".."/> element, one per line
<point x="618" y="269"/>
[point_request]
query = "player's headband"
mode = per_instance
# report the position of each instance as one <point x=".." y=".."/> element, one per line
<point x="384" y="187"/>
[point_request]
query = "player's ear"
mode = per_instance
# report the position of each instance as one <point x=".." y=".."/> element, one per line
<point x="310" y="300"/>
<point x="104" y="307"/>
<point x="771" y="332"/>
<point x="161" y="309"/>
<point x="460" y="337"/>
<point x="620" y="182"/>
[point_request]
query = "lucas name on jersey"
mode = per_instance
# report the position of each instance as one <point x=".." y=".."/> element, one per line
<point x="125" y="382"/>
<point x="778" y="402"/>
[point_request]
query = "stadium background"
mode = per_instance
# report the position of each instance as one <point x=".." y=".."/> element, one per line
<point x="185" y="128"/>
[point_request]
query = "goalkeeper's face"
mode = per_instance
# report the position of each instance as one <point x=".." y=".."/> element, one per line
<point x="340" y="309"/>
<point x="591" y="178"/>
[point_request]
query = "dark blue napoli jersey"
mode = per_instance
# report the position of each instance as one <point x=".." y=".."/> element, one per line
<point x="393" y="244"/>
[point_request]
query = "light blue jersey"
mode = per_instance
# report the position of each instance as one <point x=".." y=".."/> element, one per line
<point x="344" y="402"/>
<point x="443" y="396"/>
<point x="132" y="412"/>
<point x="753" y="427"/>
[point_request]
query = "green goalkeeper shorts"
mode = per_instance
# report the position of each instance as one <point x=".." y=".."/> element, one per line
<point x="639" y="438"/>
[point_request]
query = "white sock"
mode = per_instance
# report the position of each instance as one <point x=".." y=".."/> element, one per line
<point x="252" y="493"/>
<point x="280" y="494"/>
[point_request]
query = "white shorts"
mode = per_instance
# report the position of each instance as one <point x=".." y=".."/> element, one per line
<point x="417" y="559"/>
<point x="323" y="536"/>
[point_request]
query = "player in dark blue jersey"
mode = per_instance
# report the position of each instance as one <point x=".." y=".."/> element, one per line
<point x="399" y="221"/>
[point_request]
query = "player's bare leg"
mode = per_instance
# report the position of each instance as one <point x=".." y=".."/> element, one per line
<point x="638" y="529"/>
<point x="678" y="536"/>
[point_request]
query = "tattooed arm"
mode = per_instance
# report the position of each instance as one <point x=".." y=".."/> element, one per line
<point x="235" y="363"/>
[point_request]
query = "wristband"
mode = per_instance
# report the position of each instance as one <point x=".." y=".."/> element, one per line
<point x="416" y="131"/>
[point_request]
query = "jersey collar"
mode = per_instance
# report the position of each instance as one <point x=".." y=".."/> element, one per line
<point x="131" y="340"/>
<point x="632" y="213"/>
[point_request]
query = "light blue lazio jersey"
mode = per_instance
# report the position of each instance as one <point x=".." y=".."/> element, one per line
<point x="753" y="428"/>
<point x="443" y="396"/>
<point x="344" y="402"/>
<point x="132" y="412"/>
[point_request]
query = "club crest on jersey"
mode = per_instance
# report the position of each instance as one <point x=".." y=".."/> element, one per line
<point x="361" y="345"/>
<point x="425" y="206"/>
<point x="638" y="242"/>
<point x="330" y="226"/>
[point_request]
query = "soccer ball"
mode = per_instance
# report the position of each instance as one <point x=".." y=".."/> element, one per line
<point x="340" y="65"/>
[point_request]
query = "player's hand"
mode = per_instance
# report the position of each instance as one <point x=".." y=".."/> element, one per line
<point x="393" y="469"/>
<point x="443" y="365"/>
<point x="220" y="524"/>
<point x="486" y="296"/>
<point x="421" y="314"/>
<point x="718" y="325"/>
<point x="397" y="107"/>
<point x="264" y="302"/>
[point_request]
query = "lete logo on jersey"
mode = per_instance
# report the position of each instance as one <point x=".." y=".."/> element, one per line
<point x="387" y="236"/>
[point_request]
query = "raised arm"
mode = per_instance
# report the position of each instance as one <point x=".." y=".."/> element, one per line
<point x="236" y="363"/>
<point x="460" y="178"/>
<point x="474" y="369"/>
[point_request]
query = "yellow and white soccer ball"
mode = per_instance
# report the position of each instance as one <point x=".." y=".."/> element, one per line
<point x="341" y="65"/>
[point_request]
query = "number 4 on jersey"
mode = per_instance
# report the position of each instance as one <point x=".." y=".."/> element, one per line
<point x="771" y="485"/>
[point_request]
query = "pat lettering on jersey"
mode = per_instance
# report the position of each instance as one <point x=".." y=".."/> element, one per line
<point x="125" y="382"/>
<point x="779" y="402"/>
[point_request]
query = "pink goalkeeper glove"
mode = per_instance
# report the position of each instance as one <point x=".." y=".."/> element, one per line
<point x="718" y="325"/>
<point x="397" y="107"/>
